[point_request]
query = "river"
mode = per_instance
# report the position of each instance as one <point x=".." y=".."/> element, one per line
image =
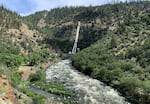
<point x="88" y="90"/>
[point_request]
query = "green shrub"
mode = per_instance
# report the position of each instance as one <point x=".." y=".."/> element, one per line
<point x="12" y="60"/>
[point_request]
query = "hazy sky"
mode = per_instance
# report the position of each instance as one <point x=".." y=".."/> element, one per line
<point x="25" y="7"/>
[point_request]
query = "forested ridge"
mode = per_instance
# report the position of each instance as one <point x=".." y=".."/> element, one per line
<point x="59" y="25"/>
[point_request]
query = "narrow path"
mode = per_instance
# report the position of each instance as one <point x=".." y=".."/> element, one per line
<point x="44" y="93"/>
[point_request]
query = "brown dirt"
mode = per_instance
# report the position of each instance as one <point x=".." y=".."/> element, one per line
<point x="8" y="96"/>
<point x="27" y="71"/>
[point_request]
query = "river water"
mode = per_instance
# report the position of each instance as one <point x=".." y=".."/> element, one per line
<point x="88" y="90"/>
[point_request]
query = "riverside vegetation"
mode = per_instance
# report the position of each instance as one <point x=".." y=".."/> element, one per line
<point x="114" y="42"/>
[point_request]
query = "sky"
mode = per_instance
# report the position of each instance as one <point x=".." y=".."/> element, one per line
<point x="26" y="7"/>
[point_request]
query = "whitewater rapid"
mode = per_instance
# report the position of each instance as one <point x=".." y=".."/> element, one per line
<point x="88" y="90"/>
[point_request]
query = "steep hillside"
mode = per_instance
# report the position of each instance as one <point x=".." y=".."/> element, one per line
<point x="121" y="58"/>
<point x="19" y="45"/>
<point x="59" y="25"/>
<point x="16" y="33"/>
